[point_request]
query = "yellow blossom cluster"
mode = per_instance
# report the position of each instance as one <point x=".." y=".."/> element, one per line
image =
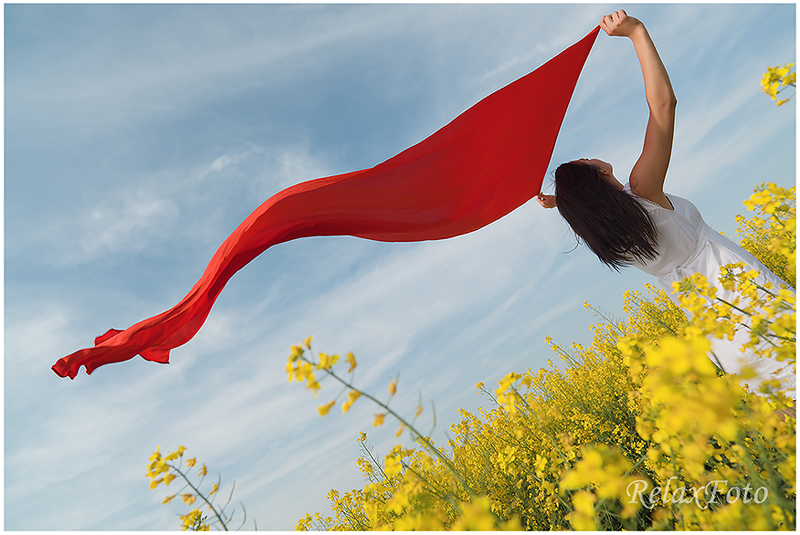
<point x="194" y="520"/>
<point x="302" y="364"/>
<point x="160" y="465"/>
<point x="639" y="430"/>
<point x="770" y="233"/>
<point x="302" y="370"/>
<point x="610" y="472"/>
<point x="776" y="79"/>
<point x="409" y="491"/>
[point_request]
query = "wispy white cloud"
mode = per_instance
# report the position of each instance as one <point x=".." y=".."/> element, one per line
<point x="144" y="213"/>
<point x="127" y="222"/>
<point x="28" y="336"/>
<point x="191" y="65"/>
<point x="286" y="166"/>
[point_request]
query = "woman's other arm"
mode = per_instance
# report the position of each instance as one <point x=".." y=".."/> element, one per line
<point x="647" y="176"/>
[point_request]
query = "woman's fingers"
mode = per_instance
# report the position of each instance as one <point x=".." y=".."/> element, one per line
<point x="608" y="24"/>
<point x="618" y="16"/>
<point x="547" y="201"/>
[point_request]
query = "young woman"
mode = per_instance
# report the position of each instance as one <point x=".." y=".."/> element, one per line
<point x="638" y="224"/>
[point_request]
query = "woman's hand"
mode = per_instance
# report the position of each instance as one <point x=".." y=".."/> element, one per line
<point x="619" y="24"/>
<point x="547" y="201"/>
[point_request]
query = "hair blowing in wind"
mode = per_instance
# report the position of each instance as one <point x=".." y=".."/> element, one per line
<point x="612" y="223"/>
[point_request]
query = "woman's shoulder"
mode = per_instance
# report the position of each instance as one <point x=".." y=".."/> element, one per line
<point x="682" y="209"/>
<point x="661" y="200"/>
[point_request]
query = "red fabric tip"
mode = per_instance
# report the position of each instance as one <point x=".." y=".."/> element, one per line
<point x="485" y="163"/>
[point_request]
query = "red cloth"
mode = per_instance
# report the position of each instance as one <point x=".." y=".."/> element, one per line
<point x="485" y="163"/>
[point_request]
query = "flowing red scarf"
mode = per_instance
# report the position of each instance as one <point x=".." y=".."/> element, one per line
<point x="488" y="161"/>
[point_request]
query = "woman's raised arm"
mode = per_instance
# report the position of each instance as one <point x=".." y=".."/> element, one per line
<point x="647" y="176"/>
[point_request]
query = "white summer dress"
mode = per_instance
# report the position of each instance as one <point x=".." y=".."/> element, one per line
<point x="686" y="244"/>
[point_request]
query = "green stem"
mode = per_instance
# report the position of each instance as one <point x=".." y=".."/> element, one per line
<point x="374" y="460"/>
<point x="221" y="521"/>
<point x="415" y="434"/>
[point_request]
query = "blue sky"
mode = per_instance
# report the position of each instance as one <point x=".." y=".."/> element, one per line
<point x="137" y="137"/>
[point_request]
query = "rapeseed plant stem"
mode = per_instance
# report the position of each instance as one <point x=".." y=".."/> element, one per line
<point x="201" y="495"/>
<point x="372" y="458"/>
<point x="194" y="520"/>
<point x="414" y="432"/>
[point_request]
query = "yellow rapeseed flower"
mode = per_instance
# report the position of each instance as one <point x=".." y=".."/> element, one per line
<point x="324" y="409"/>
<point x="313" y="385"/>
<point x="352" y="396"/>
<point x="392" y="466"/>
<point x="191" y="521"/>
<point x="776" y="79"/>
<point x="325" y="361"/>
<point x="476" y="515"/>
<point x="582" y="518"/>
<point x="351" y="359"/>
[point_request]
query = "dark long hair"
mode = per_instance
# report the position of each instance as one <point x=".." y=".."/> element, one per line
<point x="612" y="223"/>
